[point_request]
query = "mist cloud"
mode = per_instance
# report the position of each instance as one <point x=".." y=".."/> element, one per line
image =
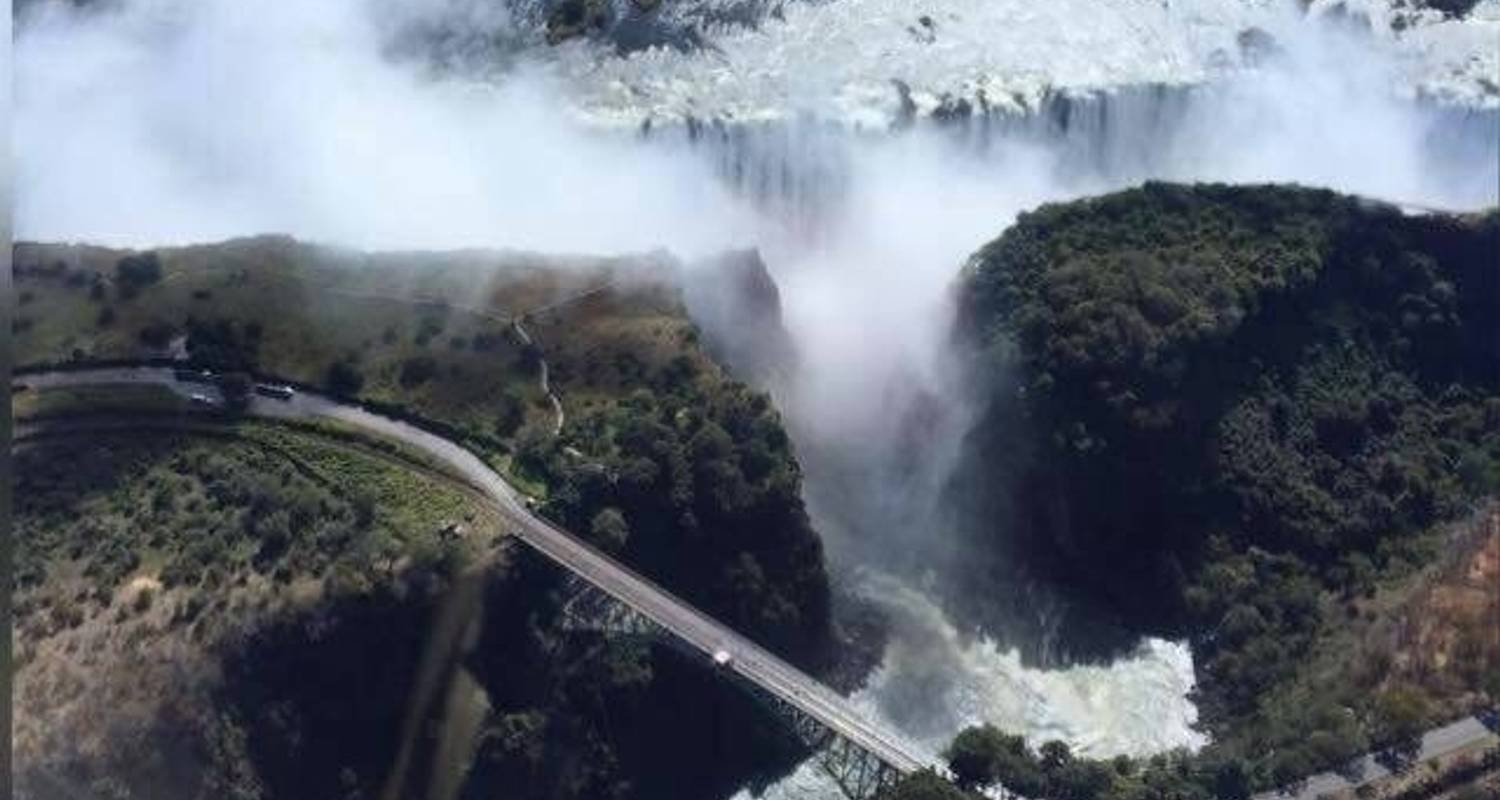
<point x="175" y="121"/>
<point x="172" y="121"/>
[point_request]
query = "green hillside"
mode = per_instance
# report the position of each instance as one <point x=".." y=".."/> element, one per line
<point x="1242" y="414"/>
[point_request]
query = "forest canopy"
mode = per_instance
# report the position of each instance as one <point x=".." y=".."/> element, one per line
<point x="1226" y="410"/>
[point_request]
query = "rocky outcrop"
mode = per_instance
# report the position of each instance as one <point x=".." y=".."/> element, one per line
<point x="633" y="25"/>
<point x="572" y="18"/>
<point x="736" y="303"/>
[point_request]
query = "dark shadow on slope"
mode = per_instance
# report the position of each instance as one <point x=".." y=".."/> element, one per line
<point x="320" y="696"/>
<point x="322" y="699"/>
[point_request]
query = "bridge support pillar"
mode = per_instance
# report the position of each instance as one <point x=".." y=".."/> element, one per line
<point x="856" y="771"/>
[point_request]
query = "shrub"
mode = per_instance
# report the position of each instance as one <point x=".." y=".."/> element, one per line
<point x="609" y="530"/>
<point x="135" y="272"/>
<point x="157" y="335"/>
<point x="416" y="371"/>
<point x="235" y="387"/>
<point x="511" y="416"/>
<point x="343" y="379"/>
<point x="221" y="344"/>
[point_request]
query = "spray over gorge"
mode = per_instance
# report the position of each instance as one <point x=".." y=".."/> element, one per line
<point x="858" y="152"/>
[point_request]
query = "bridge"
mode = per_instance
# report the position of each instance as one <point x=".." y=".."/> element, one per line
<point x="861" y="756"/>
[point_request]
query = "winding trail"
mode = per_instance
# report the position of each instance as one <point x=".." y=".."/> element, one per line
<point x="546" y="384"/>
<point x="694" y="629"/>
<point x="514" y="321"/>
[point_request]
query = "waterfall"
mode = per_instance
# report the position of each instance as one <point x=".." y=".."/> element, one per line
<point x="801" y="171"/>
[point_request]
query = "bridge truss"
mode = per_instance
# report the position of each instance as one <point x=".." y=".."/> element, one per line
<point x="858" y="773"/>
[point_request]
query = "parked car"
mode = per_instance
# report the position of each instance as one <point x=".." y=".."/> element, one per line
<point x="193" y="375"/>
<point x="275" y="390"/>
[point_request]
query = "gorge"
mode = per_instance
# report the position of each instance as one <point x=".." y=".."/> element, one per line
<point x="866" y="151"/>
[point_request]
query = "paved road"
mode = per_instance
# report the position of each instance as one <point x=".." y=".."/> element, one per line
<point x="1435" y="743"/>
<point x="750" y="661"/>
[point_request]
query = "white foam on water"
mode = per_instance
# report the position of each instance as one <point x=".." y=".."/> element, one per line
<point x="179" y="121"/>
<point x="935" y="681"/>
<point x="838" y="59"/>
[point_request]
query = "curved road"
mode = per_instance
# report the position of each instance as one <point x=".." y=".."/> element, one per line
<point x="1436" y="743"/>
<point x="749" y="660"/>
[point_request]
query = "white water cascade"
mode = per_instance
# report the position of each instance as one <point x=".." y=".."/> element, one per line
<point x="807" y="135"/>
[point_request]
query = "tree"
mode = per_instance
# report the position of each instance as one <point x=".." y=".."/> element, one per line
<point x="343" y="379"/>
<point x="973" y="755"/>
<point x="531" y="359"/>
<point x="136" y="272"/>
<point x="924" y="785"/>
<point x="235" y="387"/>
<point x="157" y="335"/>
<point x="222" y="345"/>
<point x="609" y="530"/>
<point x="417" y="371"/>
<point x="1055" y="755"/>
<point x="1290" y="768"/>
<point x="1400" y="717"/>
<point x="1082" y="779"/>
<point x="985" y="756"/>
<point x="511" y="416"/>
<point x="1230" y="782"/>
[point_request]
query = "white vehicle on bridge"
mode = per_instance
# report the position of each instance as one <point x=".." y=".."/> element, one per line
<point x="722" y="658"/>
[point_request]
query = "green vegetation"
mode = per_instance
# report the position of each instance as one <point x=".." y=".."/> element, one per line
<point x="1471" y="777"/>
<point x="140" y="550"/>
<point x="924" y="785"/>
<point x="196" y="512"/>
<point x="984" y="758"/>
<point x="205" y="578"/>
<point x="345" y="322"/>
<point x="693" y="481"/>
<point x="135" y="272"/>
<point x="709" y="501"/>
<point x="1242" y="411"/>
<point x="117" y="399"/>
<point x="664" y="460"/>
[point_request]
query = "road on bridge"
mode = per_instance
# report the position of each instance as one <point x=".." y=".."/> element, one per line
<point x="749" y="660"/>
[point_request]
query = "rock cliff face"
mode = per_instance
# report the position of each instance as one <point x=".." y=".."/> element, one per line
<point x="736" y="302"/>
